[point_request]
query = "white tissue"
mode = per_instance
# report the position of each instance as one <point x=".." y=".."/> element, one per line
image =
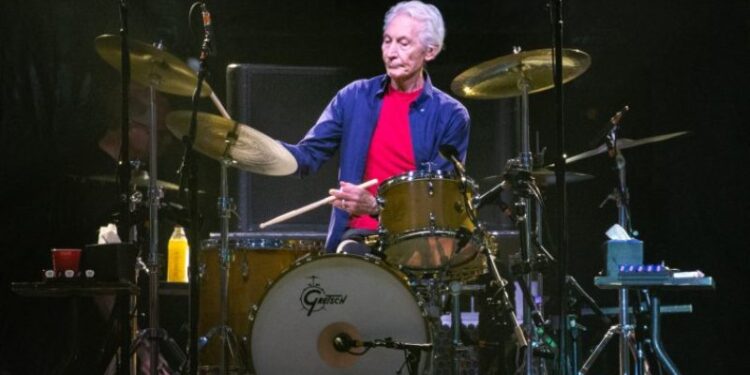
<point x="108" y="234"/>
<point x="617" y="232"/>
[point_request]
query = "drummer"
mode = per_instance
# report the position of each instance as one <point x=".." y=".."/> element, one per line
<point x="385" y="125"/>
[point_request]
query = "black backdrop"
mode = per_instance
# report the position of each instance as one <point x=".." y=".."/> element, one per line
<point x="679" y="65"/>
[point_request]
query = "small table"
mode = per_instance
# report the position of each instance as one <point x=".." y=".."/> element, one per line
<point x="86" y="288"/>
<point x="623" y="284"/>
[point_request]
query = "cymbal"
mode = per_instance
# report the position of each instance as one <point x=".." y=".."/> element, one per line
<point x="624" y="143"/>
<point x="498" y="78"/>
<point x="140" y="180"/>
<point x="546" y="177"/>
<point x="252" y="151"/>
<point x="151" y="66"/>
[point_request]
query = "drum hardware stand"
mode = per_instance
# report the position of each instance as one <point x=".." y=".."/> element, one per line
<point x="228" y="339"/>
<point x="624" y="328"/>
<point x="456" y="288"/>
<point x="189" y="173"/>
<point x="505" y="303"/>
<point x="450" y="153"/>
<point x="154" y="333"/>
<point x="524" y="189"/>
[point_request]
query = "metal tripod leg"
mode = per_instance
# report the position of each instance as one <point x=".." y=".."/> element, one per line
<point x="615" y="329"/>
<point x="626" y="332"/>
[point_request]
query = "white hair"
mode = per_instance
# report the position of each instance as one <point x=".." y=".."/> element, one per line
<point x="432" y="33"/>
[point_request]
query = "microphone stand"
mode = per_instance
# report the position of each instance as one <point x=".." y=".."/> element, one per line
<point x="556" y="20"/>
<point x="189" y="171"/>
<point x="123" y="165"/>
<point x="123" y="171"/>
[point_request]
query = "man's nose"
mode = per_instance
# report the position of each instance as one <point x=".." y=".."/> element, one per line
<point x="390" y="50"/>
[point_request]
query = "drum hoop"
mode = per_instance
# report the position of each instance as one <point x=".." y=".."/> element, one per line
<point x="422" y="175"/>
<point x="392" y="239"/>
<point x="401" y="277"/>
<point x="290" y="244"/>
<point x="431" y="233"/>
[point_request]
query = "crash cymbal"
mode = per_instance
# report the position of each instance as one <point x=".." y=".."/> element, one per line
<point x="252" y="151"/>
<point x="140" y="180"/>
<point x="546" y="177"/>
<point x="498" y="78"/>
<point x="151" y="66"/>
<point x="624" y="143"/>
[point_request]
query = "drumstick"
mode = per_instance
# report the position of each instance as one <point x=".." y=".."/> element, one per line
<point x="219" y="106"/>
<point x="311" y="206"/>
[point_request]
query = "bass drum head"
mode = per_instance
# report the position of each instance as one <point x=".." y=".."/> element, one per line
<point x="293" y="328"/>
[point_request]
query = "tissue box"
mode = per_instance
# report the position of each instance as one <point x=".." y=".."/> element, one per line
<point x="110" y="262"/>
<point x="618" y="252"/>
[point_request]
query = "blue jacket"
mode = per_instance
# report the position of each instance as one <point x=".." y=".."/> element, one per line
<point x="348" y="122"/>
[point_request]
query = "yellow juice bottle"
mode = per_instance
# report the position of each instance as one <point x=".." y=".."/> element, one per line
<point x="178" y="258"/>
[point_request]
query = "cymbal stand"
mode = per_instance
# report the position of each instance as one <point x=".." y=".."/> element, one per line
<point x="625" y="329"/>
<point x="227" y="338"/>
<point x="524" y="189"/>
<point x="154" y="333"/>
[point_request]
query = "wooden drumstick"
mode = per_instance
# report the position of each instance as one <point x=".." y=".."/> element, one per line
<point x="311" y="206"/>
<point x="219" y="106"/>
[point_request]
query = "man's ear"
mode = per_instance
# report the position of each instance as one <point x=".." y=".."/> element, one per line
<point x="431" y="53"/>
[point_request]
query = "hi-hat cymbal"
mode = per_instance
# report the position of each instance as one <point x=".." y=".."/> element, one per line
<point x="252" y="150"/>
<point x="499" y="78"/>
<point x="151" y="66"/>
<point x="546" y="177"/>
<point x="624" y="143"/>
<point x="140" y="180"/>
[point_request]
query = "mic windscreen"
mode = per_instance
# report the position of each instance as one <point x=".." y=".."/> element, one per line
<point x="448" y="152"/>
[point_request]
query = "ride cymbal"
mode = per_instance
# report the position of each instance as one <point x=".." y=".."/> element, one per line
<point x="499" y="78"/>
<point x="151" y="66"/>
<point x="220" y="138"/>
<point x="624" y="143"/>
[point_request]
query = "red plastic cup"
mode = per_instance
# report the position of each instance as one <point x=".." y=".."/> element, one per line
<point x="65" y="259"/>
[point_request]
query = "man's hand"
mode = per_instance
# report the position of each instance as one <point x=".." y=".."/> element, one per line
<point x="354" y="200"/>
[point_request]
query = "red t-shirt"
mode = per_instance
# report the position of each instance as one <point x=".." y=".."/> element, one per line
<point x="391" y="150"/>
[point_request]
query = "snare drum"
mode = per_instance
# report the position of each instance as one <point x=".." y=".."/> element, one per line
<point x="301" y="314"/>
<point x="423" y="214"/>
<point x="256" y="260"/>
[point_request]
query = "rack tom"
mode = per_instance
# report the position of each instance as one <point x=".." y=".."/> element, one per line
<point x="424" y="223"/>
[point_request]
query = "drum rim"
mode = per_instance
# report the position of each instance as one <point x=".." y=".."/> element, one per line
<point x="272" y="244"/>
<point x="417" y="234"/>
<point x="400" y="276"/>
<point x="416" y="175"/>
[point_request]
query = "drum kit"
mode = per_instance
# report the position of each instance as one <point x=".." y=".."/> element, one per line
<point x="283" y="307"/>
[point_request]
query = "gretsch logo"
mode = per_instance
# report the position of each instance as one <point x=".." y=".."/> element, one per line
<point x="314" y="298"/>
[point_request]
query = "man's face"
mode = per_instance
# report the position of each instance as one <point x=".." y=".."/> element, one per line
<point x="140" y="123"/>
<point x="403" y="53"/>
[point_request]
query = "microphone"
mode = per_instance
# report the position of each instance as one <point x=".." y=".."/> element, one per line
<point x="208" y="28"/>
<point x="611" y="125"/>
<point x="490" y="195"/>
<point x="450" y="153"/>
<point x="343" y="342"/>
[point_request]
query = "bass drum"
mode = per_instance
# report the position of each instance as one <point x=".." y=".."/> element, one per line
<point x="256" y="259"/>
<point x="321" y="298"/>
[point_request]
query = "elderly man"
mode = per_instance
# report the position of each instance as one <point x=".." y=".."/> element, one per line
<point x="386" y="125"/>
